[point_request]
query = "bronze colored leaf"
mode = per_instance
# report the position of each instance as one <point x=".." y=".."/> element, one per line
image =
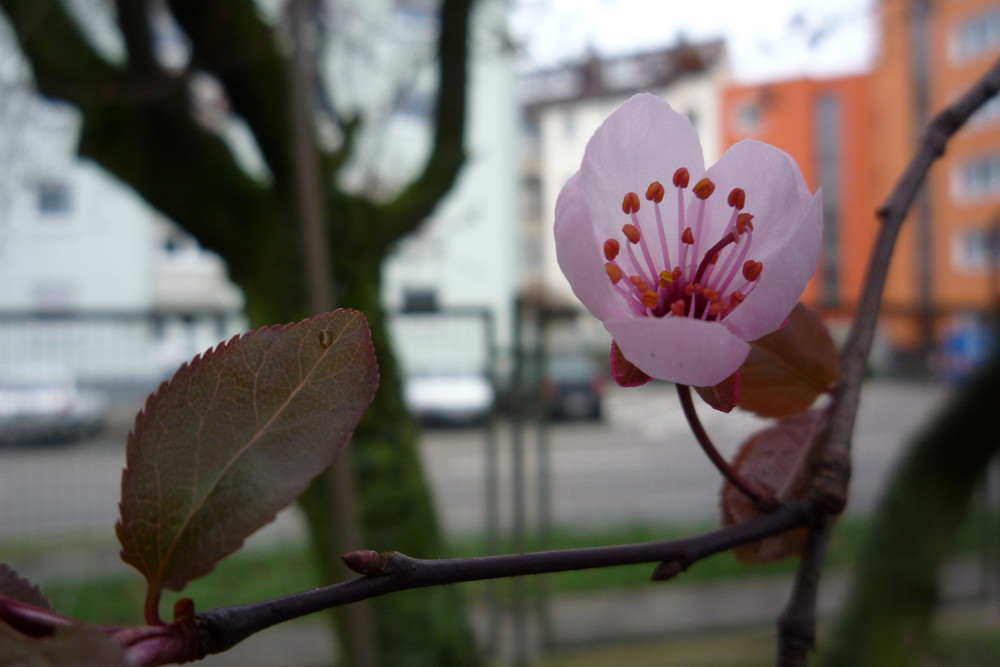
<point x="786" y="370"/>
<point x="235" y="436"/>
<point x="724" y="396"/>
<point x="777" y="459"/>
<point x="15" y="586"/>
<point x="623" y="371"/>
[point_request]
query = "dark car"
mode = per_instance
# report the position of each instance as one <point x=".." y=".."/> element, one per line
<point x="573" y="387"/>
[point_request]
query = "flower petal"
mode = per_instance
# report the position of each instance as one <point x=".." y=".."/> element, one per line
<point x="642" y="141"/>
<point x="787" y="269"/>
<point x="679" y="349"/>
<point x="579" y="255"/>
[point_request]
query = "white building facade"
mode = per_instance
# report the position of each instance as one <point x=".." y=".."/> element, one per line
<point x="564" y="106"/>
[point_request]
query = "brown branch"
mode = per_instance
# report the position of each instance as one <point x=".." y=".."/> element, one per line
<point x="133" y="22"/>
<point x="249" y="65"/>
<point x="832" y="469"/>
<point x="405" y="213"/>
<point x="64" y="63"/>
<point x="390" y="572"/>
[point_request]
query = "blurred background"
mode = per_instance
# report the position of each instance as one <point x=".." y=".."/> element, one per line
<point x="524" y="441"/>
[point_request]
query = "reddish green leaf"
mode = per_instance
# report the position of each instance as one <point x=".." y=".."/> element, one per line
<point x="724" y="396"/>
<point x="235" y="436"/>
<point x="15" y="586"/>
<point x="623" y="371"/>
<point x="776" y="459"/>
<point x="788" y="369"/>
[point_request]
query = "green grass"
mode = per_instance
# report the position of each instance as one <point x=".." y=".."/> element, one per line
<point x="260" y="574"/>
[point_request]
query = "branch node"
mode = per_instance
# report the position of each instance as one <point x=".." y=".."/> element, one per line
<point x="369" y="563"/>
<point x="667" y="570"/>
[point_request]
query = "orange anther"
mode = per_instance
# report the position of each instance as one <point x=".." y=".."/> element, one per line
<point x="611" y="248"/>
<point x="703" y="189"/>
<point x="638" y="282"/>
<point x="655" y="192"/>
<point x="677" y="273"/>
<point x="631" y="233"/>
<point x="677" y="307"/>
<point x="736" y="298"/>
<point x="687" y="236"/>
<point x="682" y="177"/>
<point x="752" y="270"/>
<point x="630" y="204"/>
<point x="710" y="294"/>
<point x="737" y="198"/>
<point x="650" y="299"/>
<point x="718" y="308"/>
<point x="691" y="289"/>
<point x="614" y="272"/>
<point x="666" y="277"/>
<point x="744" y="223"/>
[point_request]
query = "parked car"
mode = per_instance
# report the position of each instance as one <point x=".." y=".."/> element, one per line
<point x="42" y="403"/>
<point x="573" y="387"/>
<point x="453" y="398"/>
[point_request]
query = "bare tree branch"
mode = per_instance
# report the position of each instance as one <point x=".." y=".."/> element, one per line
<point x="391" y="572"/>
<point x="832" y="469"/>
<point x="417" y="201"/>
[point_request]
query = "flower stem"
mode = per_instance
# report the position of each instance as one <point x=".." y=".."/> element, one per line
<point x="763" y="499"/>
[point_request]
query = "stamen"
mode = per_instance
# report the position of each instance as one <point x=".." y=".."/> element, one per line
<point x="703" y="189"/>
<point x="666" y="278"/>
<point x="630" y="204"/>
<point x="682" y="177"/>
<point x="677" y="308"/>
<point x="611" y="249"/>
<point x="688" y="236"/>
<point x="650" y="299"/>
<point x="631" y="233"/>
<point x="614" y="272"/>
<point x="737" y="198"/>
<point x="655" y="192"/>
<point x="744" y="223"/>
<point x="752" y="270"/>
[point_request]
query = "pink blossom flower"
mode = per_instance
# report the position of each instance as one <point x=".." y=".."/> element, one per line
<point x="684" y="265"/>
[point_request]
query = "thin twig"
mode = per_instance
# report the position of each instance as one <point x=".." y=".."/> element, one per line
<point x="761" y="498"/>
<point x="224" y="627"/>
<point x="832" y="469"/>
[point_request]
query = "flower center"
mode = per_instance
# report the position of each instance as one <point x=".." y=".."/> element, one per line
<point x="706" y="280"/>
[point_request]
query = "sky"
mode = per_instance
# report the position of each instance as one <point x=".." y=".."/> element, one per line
<point x="767" y="39"/>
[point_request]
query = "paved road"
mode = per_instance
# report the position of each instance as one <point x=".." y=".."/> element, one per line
<point x="642" y="463"/>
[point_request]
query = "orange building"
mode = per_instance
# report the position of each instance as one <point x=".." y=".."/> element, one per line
<point x="945" y="271"/>
<point x="855" y="135"/>
<point x="825" y="125"/>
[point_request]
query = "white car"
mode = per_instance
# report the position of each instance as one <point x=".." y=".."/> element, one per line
<point x="449" y="398"/>
<point x="41" y="403"/>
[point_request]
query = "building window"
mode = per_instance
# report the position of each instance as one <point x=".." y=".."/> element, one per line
<point x="53" y="199"/>
<point x="747" y="118"/>
<point x="976" y="250"/>
<point x="976" y="35"/>
<point x="980" y="178"/>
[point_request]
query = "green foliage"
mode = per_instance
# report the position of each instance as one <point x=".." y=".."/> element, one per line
<point x="234" y="437"/>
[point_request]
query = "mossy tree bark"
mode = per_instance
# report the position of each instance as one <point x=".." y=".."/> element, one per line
<point x="138" y="125"/>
